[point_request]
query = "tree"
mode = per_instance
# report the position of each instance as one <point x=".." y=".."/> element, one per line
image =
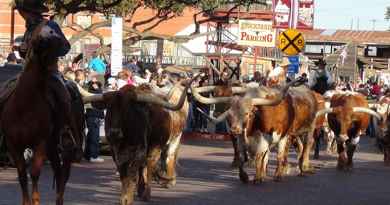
<point x="165" y="9"/>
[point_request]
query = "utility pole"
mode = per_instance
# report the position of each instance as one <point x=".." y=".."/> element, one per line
<point x="373" y="23"/>
<point x="358" y="22"/>
<point x="352" y="24"/>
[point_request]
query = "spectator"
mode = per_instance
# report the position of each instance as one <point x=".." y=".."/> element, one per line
<point x="93" y="116"/>
<point x="277" y="76"/>
<point x="132" y="66"/>
<point x="70" y="75"/>
<point x="123" y="79"/>
<point x="376" y="89"/>
<point x="112" y="84"/>
<point x="2" y="60"/>
<point x="12" y="64"/>
<point x="80" y="77"/>
<point x="200" y="119"/>
<point x="97" y="65"/>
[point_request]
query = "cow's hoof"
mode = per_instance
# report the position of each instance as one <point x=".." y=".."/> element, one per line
<point x="302" y="174"/>
<point x="244" y="177"/>
<point x="286" y="170"/>
<point x="146" y="195"/>
<point x="126" y="201"/>
<point x="308" y="169"/>
<point x="258" y="181"/>
<point x="141" y="189"/>
<point x="235" y="164"/>
<point x="316" y="156"/>
<point x="170" y="184"/>
<point x="277" y="178"/>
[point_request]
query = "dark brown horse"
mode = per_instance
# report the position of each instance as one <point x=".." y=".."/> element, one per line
<point x="30" y="116"/>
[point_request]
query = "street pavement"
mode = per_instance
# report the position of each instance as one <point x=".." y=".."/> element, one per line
<point x="206" y="178"/>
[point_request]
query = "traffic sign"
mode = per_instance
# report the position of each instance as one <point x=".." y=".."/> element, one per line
<point x="293" y="68"/>
<point x="291" y="42"/>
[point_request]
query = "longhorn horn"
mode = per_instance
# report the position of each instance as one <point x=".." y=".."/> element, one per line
<point x="93" y="98"/>
<point x="214" y="120"/>
<point x="150" y="98"/>
<point x="279" y="97"/>
<point x="208" y="101"/>
<point x="323" y="112"/>
<point x="83" y="92"/>
<point x="367" y="111"/>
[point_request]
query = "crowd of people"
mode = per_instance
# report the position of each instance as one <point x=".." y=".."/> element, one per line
<point x="95" y="77"/>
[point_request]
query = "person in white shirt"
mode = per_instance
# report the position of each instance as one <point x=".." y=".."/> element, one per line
<point x="277" y="76"/>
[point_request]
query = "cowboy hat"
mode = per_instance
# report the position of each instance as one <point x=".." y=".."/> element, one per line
<point x="32" y="6"/>
<point x="285" y="62"/>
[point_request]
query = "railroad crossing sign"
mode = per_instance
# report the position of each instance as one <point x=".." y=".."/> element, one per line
<point x="291" y="42"/>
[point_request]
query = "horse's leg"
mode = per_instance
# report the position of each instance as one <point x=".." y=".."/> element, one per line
<point x="20" y="163"/>
<point x="22" y="174"/>
<point x="55" y="163"/>
<point x="38" y="159"/>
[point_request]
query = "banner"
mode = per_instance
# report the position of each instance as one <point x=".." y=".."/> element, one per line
<point x="116" y="45"/>
<point x="284" y="15"/>
<point x="256" y="33"/>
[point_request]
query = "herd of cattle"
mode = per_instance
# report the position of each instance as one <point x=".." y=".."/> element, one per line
<point x="144" y="124"/>
<point x="144" y="136"/>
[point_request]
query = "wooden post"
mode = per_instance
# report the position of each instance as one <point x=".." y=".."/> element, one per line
<point x="255" y="59"/>
<point x="12" y="26"/>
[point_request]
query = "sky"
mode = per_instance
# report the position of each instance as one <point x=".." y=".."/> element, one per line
<point x="338" y="14"/>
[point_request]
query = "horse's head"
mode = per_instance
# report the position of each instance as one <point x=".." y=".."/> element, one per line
<point x="48" y="42"/>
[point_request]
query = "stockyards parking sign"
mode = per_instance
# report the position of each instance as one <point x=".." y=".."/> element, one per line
<point x="256" y="33"/>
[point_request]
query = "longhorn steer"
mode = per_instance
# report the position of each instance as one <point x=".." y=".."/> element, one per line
<point x="269" y="125"/>
<point x="348" y="116"/>
<point x="139" y="124"/>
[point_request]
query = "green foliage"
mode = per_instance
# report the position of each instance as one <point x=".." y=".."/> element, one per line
<point x="387" y="14"/>
<point x="126" y="7"/>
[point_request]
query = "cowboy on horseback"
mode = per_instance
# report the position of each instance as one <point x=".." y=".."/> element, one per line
<point x="320" y="79"/>
<point x="33" y="11"/>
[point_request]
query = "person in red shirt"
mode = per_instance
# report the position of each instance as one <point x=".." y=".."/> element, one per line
<point x="376" y="89"/>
